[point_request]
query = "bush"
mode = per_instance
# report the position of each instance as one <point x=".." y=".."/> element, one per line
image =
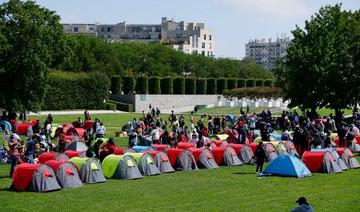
<point x="221" y="85"/>
<point x="109" y="106"/>
<point x="201" y="86"/>
<point x="76" y="91"/>
<point x="166" y="85"/>
<point x="115" y="87"/>
<point x="255" y="93"/>
<point x="268" y="83"/>
<point x="250" y="83"/>
<point x="179" y="86"/>
<point x="154" y="85"/>
<point x="190" y="86"/>
<point x="128" y="84"/>
<point x="231" y="83"/>
<point x="241" y="83"/>
<point x="259" y="83"/>
<point x="211" y="86"/>
<point x="122" y="106"/>
<point x="142" y="85"/>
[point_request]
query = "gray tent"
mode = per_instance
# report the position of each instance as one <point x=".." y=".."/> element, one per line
<point x="204" y="158"/>
<point x="290" y="147"/>
<point x="66" y="174"/>
<point x="335" y="157"/>
<point x="146" y="163"/>
<point x="162" y="161"/>
<point x="89" y="169"/>
<point x="270" y="152"/>
<point x="354" y="146"/>
<point x="231" y="158"/>
<point x="184" y="159"/>
<point x="245" y="155"/>
<point x="77" y="146"/>
<point x="216" y="143"/>
<point x="349" y="159"/>
<point x="281" y="149"/>
<point x="329" y="164"/>
<point x="121" y="167"/>
<point x="44" y="179"/>
<point x="61" y="157"/>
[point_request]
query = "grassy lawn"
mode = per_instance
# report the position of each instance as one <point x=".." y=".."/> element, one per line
<point x="224" y="189"/>
<point x="229" y="110"/>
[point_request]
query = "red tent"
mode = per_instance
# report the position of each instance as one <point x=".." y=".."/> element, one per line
<point x="22" y="128"/>
<point x="185" y="145"/>
<point x="253" y="147"/>
<point x="357" y="139"/>
<point x="196" y="152"/>
<point x="122" y="150"/>
<point x="313" y="160"/>
<point x="218" y="153"/>
<point x="71" y="153"/>
<point x="161" y="147"/>
<point x="46" y="156"/>
<point x="340" y="151"/>
<point x="54" y="164"/>
<point x="218" y="142"/>
<point x="236" y="147"/>
<point x="23" y="175"/>
<point x="173" y="153"/>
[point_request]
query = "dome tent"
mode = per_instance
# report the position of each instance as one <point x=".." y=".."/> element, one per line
<point x="320" y="161"/>
<point x="204" y="158"/>
<point x="120" y="167"/>
<point x="66" y="174"/>
<point x="243" y="151"/>
<point x="46" y="156"/>
<point x="287" y="165"/>
<point x="162" y="161"/>
<point x="89" y="169"/>
<point x="225" y="156"/>
<point x="336" y="157"/>
<point x="348" y="158"/>
<point x="270" y="151"/>
<point x="145" y="162"/>
<point x="182" y="159"/>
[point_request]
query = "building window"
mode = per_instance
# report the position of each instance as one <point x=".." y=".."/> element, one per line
<point x="76" y="29"/>
<point x="204" y="36"/>
<point x="209" y="37"/>
<point x="210" y="45"/>
<point x="203" y="45"/>
<point x="109" y="29"/>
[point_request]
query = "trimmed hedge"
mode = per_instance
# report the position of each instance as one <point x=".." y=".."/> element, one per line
<point x="76" y="91"/>
<point x="241" y="83"/>
<point x="201" y="86"/>
<point x="190" y="86"/>
<point x="221" y="85"/>
<point x="179" y="86"/>
<point x="259" y="83"/>
<point x="211" y="87"/>
<point x="268" y="83"/>
<point x="122" y="106"/>
<point x="231" y="83"/>
<point x="154" y="85"/>
<point x="142" y="85"/>
<point x="128" y="84"/>
<point x="250" y="83"/>
<point x="115" y="87"/>
<point x="166" y="85"/>
<point x="109" y="106"/>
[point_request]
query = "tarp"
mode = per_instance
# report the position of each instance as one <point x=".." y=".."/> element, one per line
<point x="287" y="165"/>
<point x="22" y="176"/>
<point x="185" y="145"/>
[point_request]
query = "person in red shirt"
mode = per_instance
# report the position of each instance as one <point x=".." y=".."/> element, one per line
<point x="108" y="149"/>
<point x="15" y="150"/>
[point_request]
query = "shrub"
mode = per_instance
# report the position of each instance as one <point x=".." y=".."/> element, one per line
<point x="221" y="85"/>
<point x="259" y="83"/>
<point x="250" y="83"/>
<point x="128" y="84"/>
<point x="115" y="87"/>
<point x="201" y="86"/>
<point x="166" y="85"/>
<point x="179" y="86"/>
<point x="142" y="85"/>
<point x="231" y="83"/>
<point x="190" y="86"/>
<point x="76" y="91"/>
<point x="268" y="83"/>
<point x="211" y="87"/>
<point x="241" y="83"/>
<point x="255" y="92"/>
<point x="154" y="85"/>
<point x="109" y="106"/>
<point x="122" y="106"/>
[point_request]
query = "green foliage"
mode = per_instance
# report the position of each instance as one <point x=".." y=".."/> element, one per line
<point x="109" y="106"/>
<point x="122" y="106"/>
<point x="76" y="91"/>
<point x="232" y="83"/>
<point x="259" y="83"/>
<point x="211" y="87"/>
<point x="250" y="83"/>
<point x="268" y="83"/>
<point x="255" y="93"/>
<point x="190" y="86"/>
<point x="154" y="85"/>
<point x="31" y="40"/>
<point x="179" y="85"/>
<point x="322" y="64"/>
<point x="221" y="85"/>
<point x="201" y="86"/>
<point x="166" y="84"/>
<point x="241" y="83"/>
<point x="128" y="84"/>
<point x="115" y="87"/>
<point x="142" y="85"/>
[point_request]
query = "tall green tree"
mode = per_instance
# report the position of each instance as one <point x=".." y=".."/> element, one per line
<point x="322" y="65"/>
<point x="31" y="40"/>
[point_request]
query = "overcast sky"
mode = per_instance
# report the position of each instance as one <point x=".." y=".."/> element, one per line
<point x="234" y="22"/>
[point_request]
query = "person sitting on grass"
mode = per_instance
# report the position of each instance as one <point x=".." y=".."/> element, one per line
<point x="260" y="156"/>
<point x="304" y="206"/>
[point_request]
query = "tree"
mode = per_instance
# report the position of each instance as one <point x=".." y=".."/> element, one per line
<point x="31" y="40"/>
<point x="321" y="67"/>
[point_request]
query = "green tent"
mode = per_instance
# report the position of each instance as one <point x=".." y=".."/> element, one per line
<point x="120" y="167"/>
<point x="89" y="169"/>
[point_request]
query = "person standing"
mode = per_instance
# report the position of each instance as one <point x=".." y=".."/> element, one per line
<point x="100" y="131"/>
<point x="260" y="156"/>
<point x="304" y="206"/>
<point x="14" y="146"/>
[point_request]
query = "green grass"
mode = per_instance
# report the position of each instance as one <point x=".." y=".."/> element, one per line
<point x="224" y="189"/>
<point x="229" y="110"/>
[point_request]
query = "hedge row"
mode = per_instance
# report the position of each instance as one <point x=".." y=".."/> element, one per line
<point x="77" y="91"/>
<point x="168" y="85"/>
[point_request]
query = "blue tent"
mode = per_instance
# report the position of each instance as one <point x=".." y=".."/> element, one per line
<point x="287" y="165"/>
<point x="142" y="148"/>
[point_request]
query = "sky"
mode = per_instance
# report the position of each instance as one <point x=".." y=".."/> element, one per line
<point x="233" y="22"/>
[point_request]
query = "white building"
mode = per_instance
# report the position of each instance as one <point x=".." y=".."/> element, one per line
<point x="189" y="38"/>
<point x="266" y="52"/>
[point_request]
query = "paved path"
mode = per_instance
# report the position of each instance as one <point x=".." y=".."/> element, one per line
<point x="75" y="112"/>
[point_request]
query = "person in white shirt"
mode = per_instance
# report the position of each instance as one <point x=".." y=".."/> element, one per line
<point x="100" y="131"/>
